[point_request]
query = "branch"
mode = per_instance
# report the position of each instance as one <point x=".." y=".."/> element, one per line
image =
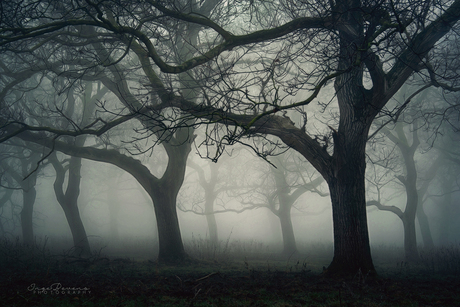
<point x="393" y="209"/>
<point x="419" y="47"/>
<point x="83" y="131"/>
<point x="217" y="211"/>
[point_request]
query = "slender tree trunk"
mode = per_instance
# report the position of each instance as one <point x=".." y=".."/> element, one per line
<point x="445" y="209"/>
<point x="211" y="220"/>
<point x="80" y="239"/>
<point x="3" y="200"/>
<point x="424" y="225"/>
<point x="410" y="184"/>
<point x="69" y="202"/>
<point x="27" y="211"/>
<point x="289" y="243"/>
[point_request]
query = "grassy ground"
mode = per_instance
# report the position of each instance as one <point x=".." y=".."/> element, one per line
<point x="233" y="274"/>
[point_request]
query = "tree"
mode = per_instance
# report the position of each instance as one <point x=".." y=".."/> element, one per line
<point x="414" y="194"/>
<point x="368" y="49"/>
<point x="6" y="196"/>
<point x="279" y="188"/>
<point x="68" y="198"/>
<point x="22" y="167"/>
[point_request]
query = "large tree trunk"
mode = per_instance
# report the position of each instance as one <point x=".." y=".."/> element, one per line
<point x="164" y="196"/>
<point x="346" y="179"/>
<point x="352" y="252"/>
<point x="171" y="248"/>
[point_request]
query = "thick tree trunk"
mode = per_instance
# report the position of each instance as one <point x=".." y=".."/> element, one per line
<point x="171" y="248"/>
<point x="346" y="178"/>
<point x="27" y="211"/>
<point x="164" y="196"/>
<point x="352" y="252"/>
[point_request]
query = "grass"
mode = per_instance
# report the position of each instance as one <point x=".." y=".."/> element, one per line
<point x="233" y="273"/>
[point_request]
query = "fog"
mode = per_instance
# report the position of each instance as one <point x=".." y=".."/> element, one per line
<point x="132" y="222"/>
<point x="157" y="130"/>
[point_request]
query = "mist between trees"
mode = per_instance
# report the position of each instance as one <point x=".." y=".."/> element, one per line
<point x="315" y="114"/>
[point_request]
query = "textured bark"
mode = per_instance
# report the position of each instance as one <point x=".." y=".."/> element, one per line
<point x="347" y="181"/>
<point x="352" y="252"/>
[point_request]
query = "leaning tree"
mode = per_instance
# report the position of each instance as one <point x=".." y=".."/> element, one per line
<point x="345" y="59"/>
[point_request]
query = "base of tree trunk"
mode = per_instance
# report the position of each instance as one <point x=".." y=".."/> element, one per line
<point x="339" y="269"/>
<point x="183" y="258"/>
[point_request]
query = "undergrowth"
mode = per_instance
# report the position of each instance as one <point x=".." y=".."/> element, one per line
<point x="231" y="273"/>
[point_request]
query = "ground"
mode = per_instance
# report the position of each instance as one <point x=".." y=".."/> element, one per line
<point x="35" y="277"/>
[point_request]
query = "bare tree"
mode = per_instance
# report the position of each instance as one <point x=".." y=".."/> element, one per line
<point x="22" y="167"/>
<point x="293" y="50"/>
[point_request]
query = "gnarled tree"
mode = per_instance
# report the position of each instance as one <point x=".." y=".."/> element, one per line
<point x="293" y="49"/>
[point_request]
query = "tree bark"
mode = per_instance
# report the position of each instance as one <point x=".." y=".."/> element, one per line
<point x="164" y="196"/>
<point x="346" y="181"/>
<point x="352" y="252"/>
